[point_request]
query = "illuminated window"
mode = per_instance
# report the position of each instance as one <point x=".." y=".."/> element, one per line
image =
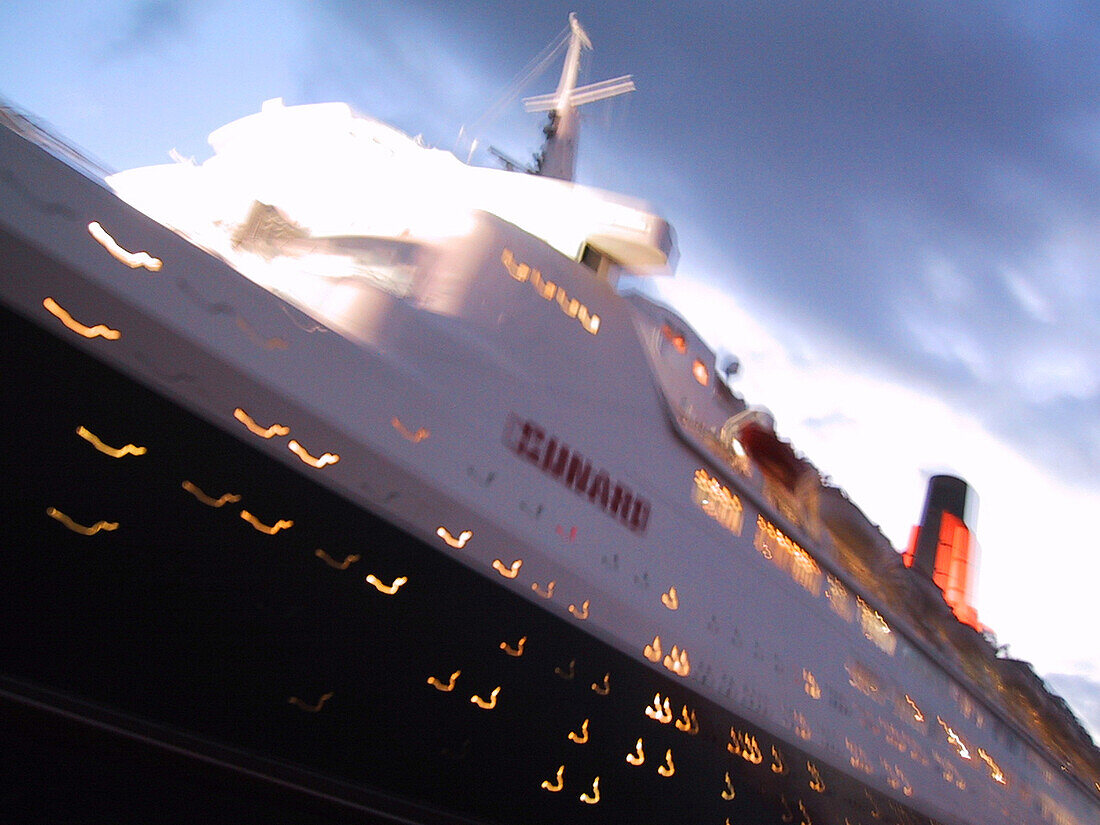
<point x="775" y="545"/>
<point x="671" y="599"/>
<point x="113" y="452"/>
<point x="840" y="600"/>
<point x="717" y="501"/>
<point x="700" y="372"/>
<point x="131" y="259"/>
<point x="308" y="708"/>
<point x="679" y="343"/>
<point x="57" y="515"/>
<point x="875" y="628"/>
<point x="61" y="314"/>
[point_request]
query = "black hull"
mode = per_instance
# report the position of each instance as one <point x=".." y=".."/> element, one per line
<point x="148" y="672"/>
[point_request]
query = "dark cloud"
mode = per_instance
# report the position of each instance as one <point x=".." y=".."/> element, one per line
<point x="916" y="184"/>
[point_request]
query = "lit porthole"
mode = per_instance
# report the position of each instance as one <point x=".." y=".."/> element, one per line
<point x="700" y="371"/>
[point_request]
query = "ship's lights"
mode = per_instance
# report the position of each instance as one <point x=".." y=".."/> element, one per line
<point x="315" y="462"/>
<point x="667" y="769"/>
<point x="637" y="756"/>
<point x="677" y="661"/>
<point x="679" y="343"/>
<point x="953" y="739"/>
<point x="688" y="722"/>
<point x="594" y="797"/>
<point x="653" y="651"/>
<point x="548" y="290"/>
<point x="445" y="687"/>
<point x="256" y="429"/>
<point x="131" y="259"/>
<point x="602" y="688"/>
<point x="700" y="372"/>
<point x="660" y="712"/>
<point x="416" y="437"/>
<point x="514" y="651"/>
<point x="207" y="500"/>
<point x="281" y="524"/>
<point x="917" y="715"/>
<point x="810" y="685"/>
<point x="557" y="784"/>
<point x="308" y="708"/>
<point x="331" y="562"/>
<point x="98" y="331"/>
<point x="581" y="736"/>
<point x="728" y="792"/>
<point x="451" y="541"/>
<point x="745" y="746"/>
<point x="486" y="704"/>
<point x="816" y="782"/>
<point x="509" y="572"/>
<point x="548" y="592"/>
<point x="388" y="589"/>
<point x="113" y="452"/>
<point x="57" y="515"/>
<point x="717" y="501"/>
<point x="567" y="673"/>
<point x="580" y="612"/>
<point x="778" y="766"/>
<point x="671" y="599"/>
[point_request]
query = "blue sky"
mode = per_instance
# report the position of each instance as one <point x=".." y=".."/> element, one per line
<point x="888" y="211"/>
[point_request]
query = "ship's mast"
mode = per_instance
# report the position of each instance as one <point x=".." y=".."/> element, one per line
<point x="559" y="153"/>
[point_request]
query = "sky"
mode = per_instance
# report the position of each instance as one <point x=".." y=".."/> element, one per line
<point x="886" y="211"/>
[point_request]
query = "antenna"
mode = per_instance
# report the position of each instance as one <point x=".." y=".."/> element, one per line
<point x="558" y="156"/>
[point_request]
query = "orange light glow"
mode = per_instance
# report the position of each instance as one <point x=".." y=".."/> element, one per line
<point x="514" y="651"/>
<point x="207" y="500"/>
<point x="317" y="463"/>
<point x="995" y="773"/>
<point x="954" y="739"/>
<point x="688" y="723"/>
<point x="294" y="700"/>
<point x="558" y="782"/>
<point x="715" y="499"/>
<point x="604" y="688"/>
<point x="745" y="746"/>
<point x="415" y="437"/>
<point x="256" y="429"/>
<point x="131" y="259"/>
<point x="509" y="572"/>
<point x="567" y="673"/>
<point x="580" y="612"/>
<point x="778" y="766"/>
<point x="677" y="661"/>
<point x="445" y="687"/>
<point x="700" y="372"/>
<point x="809" y="684"/>
<point x="729" y="792"/>
<point x="917" y="715"/>
<point x="457" y="543"/>
<point x="594" y="797"/>
<point x="637" y="757"/>
<point x="653" y="651"/>
<point x="667" y="769"/>
<point x="805" y="819"/>
<point x="548" y="290"/>
<point x="331" y="562"/>
<point x="679" y="343"/>
<point x="548" y="593"/>
<point x="660" y="712"/>
<point x="816" y="782"/>
<point x="670" y="599"/>
<point x="486" y="704"/>
<point x="56" y="514"/>
<point x="98" y="331"/>
<point x="113" y="452"/>
<point x="388" y="589"/>
<point x="581" y="737"/>
<point x="281" y="524"/>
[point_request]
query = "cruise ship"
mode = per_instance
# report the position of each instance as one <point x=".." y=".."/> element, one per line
<point x="347" y="483"/>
